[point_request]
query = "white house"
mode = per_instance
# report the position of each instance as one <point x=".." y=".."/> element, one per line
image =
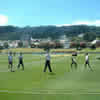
<point x="1" y="43"/>
<point x="95" y="41"/>
<point x="13" y="44"/>
<point x="81" y="35"/>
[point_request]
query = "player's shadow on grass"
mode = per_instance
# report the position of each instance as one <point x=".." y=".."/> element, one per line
<point x="98" y="58"/>
<point x="52" y="74"/>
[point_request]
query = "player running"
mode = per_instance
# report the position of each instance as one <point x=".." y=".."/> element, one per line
<point x="74" y="61"/>
<point x="87" y="62"/>
<point x="21" y="61"/>
<point x="10" y="61"/>
<point x="47" y="63"/>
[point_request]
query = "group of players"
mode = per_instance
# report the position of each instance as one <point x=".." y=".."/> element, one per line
<point x="47" y="62"/>
<point x="73" y="62"/>
<point x="10" y="61"/>
<point x="87" y="62"/>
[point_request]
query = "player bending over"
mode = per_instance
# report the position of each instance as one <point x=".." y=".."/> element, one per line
<point x="21" y="61"/>
<point x="87" y="62"/>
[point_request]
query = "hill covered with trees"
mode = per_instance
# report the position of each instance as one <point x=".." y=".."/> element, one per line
<point x="54" y="32"/>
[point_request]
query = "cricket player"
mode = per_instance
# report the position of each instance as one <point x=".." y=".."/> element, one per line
<point x="47" y="63"/>
<point x="87" y="61"/>
<point x="21" y="61"/>
<point x="10" y="61"/>
<point x="73" y="62"/>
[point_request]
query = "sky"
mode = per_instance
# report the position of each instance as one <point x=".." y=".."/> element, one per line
<point x="49" y="12"/>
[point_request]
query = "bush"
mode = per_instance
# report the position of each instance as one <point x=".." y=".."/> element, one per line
<point x="1" y="47"/>
<point x="46" y="46"/>
<point x="93" y="46"/>
<point x="50" y="45"/>
<point x="73" y="45"/>
<point x="6" y="45"/>
<point x="58" y="45"/>
<point x="78" y="46"/>
<point x="33" y="45"/>
<point x="20" y="44"/>
<point x="83" y="44"/>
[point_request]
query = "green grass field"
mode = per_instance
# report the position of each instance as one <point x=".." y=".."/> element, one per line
<point x="62" y="84"/>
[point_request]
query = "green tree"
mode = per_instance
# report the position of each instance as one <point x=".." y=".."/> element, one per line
<point x="6" y="45"/>
<point x="89" y="36"/>
<point x="20" y="44"/>
<point x="1" y="48"/>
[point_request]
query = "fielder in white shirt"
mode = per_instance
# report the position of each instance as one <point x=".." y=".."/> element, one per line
<point x="47" y="63"/>
<point x="87" y="62"/>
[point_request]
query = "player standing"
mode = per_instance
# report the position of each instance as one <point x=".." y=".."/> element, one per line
<point x="21" y="61"/>
<point x="74" y="61"/>
<point x="87" y="62"/>
<point x="10" y="61"/>
<point x="48" y="63"/>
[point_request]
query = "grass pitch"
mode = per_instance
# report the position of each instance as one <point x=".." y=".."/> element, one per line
<point x="62" y="84"/>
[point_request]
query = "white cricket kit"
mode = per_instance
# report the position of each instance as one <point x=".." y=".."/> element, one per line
<point x="48" y="57"/>
<point x="10" y="58"/>
<point x="87" y="58"/>
<point x="73" y="59"/>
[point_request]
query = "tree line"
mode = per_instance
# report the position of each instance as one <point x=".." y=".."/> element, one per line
<point x="54" y="32"/>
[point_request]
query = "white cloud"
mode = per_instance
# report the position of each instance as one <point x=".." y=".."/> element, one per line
<point x="3" y="20"/>
<point x="63" y="25"/>
<point x="82" y="23"/>
<point x="95" y="23"/>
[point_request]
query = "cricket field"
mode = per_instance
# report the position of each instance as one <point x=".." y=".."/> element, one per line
<point x="63" y="84"/>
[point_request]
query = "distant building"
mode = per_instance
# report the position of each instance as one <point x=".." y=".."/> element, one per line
<point x="66" y="41"/>
<point x="96" y="42"/>
<point x="13" y="44"/>
<point x="1" y="43"/>
<point x="81" y="35"/>
<point x="35" y="40"/>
